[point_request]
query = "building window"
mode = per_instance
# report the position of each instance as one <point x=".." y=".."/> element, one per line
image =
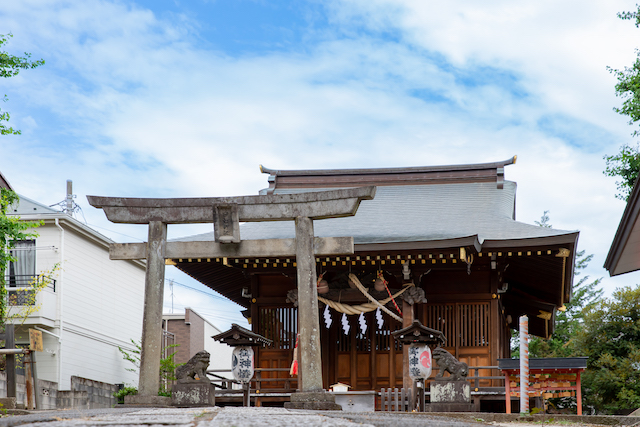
<point x="21" y="272"/>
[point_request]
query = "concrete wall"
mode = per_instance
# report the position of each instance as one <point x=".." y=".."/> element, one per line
<point x="47" y="390"/>
<point x="100" y="395"/>
<point x="85" y="394"/>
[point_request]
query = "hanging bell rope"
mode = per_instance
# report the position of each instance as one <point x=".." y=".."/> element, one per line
<point x="384" y="282"/>
<point x="375" y="302"/>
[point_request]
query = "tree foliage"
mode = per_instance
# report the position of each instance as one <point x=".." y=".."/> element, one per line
<point x="626" y="165"/>
<point x="610" y="337"/>
<point x="167" y="368"/>
<point x="562" y="342"/>
<point x="568" y="322"/>
<point x="10" y="66"/>
<point x="628" y="86"/>
<point x="11" y="230"/>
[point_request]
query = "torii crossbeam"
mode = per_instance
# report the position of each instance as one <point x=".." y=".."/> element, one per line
<point x="226" y="213"/>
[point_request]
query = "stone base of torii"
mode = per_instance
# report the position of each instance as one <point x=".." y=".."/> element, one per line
<point x="226" y="213"/>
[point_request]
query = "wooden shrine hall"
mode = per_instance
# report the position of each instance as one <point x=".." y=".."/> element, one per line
<point x="447" y="232"/>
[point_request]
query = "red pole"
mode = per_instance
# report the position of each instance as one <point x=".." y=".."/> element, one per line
<point x="507" y="391"/>
<point x="579" y="394"/>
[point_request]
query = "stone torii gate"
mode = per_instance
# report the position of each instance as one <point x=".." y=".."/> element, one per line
<point x="226" y="214"/>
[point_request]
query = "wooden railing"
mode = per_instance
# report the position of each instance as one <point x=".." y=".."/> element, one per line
<point x="397" y="399"/>
<point x="478" y="382"/>
<point x="258" y="383"/>
<point x="20" y="288"/>
<point x="258" y="389"/>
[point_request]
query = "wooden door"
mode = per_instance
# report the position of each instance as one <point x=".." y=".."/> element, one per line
<point x="365" y="361"/>
<point x="279" y="324"/>
<point x="467" y="329"/>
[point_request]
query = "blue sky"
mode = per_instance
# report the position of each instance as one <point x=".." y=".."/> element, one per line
<point x="180" y="99"/>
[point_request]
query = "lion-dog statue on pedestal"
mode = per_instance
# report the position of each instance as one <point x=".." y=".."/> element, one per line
<point x="446" y="362"/>
<point x="197" y="365"/>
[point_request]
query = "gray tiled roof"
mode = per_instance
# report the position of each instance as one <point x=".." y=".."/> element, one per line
<point x="407" y="213"/>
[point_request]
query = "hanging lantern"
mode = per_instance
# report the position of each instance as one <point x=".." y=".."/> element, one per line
<point x="242" y="363"/>
<point x="419" y="361"/>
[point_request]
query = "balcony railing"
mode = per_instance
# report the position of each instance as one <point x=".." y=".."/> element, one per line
<point x="20" y="288"/>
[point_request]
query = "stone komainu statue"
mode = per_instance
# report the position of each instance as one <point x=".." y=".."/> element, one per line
<point x="197" y="365"/>
<point x="446" y="362"/>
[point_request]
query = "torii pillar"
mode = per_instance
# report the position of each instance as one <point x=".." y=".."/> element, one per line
<point x="226" y="213"/>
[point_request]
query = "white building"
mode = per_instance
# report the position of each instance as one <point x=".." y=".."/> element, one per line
<point x="93" y="306"/>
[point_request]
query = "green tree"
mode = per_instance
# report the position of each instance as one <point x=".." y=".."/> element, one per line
<point x="625" y="165"/>
<point x="628" y="86"/>
<point x="569" y="322"/>
<point x="11" y="230"/>
<point x="610" y="337"/>
<point x="167" y="368"/>
<point x="10" y="66"/>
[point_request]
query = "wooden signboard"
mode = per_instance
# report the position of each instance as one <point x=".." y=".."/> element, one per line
<point x="35" y="340"/>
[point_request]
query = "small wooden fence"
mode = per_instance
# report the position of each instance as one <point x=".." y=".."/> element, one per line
<point x="401" y="400"/>
<point x="395" y="400"/>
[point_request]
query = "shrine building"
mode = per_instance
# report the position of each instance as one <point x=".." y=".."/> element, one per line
<point x="439" y="244"/>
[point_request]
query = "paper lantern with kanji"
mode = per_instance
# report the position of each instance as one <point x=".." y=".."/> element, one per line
<point x="242" y="363"/>
<point x="419" y="361"/>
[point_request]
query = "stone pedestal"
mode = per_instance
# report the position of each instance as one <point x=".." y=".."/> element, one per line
<point x="8" y="402"/>
<point x="315" y="400"/>
<point x="193" y="394"/>
<point x="450" y="396"/>
<point x="147" y="401"/>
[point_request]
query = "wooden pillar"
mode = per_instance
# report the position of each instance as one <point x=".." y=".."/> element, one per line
<point x="310" y="361"/>
<point x="495" y="320"/>
<point x="579" y="393"/>
<point x="407" y="320"/>
<point x="10" y="367"/>
<point x="152" y="318"/>
<point x="507" y="392"/>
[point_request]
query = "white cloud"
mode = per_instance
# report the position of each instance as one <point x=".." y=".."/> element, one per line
<point x="137" y="109"/>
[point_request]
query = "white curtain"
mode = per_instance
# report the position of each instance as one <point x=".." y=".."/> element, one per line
<point x="24" y="268"/>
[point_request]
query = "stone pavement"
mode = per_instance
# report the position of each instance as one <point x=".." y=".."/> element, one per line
<point x="263" y="417"/>
<point x="221" y="417"/>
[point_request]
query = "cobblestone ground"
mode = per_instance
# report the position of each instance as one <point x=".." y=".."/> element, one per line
<point x="223" y="417"/>
<point x="263" y="417"/>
